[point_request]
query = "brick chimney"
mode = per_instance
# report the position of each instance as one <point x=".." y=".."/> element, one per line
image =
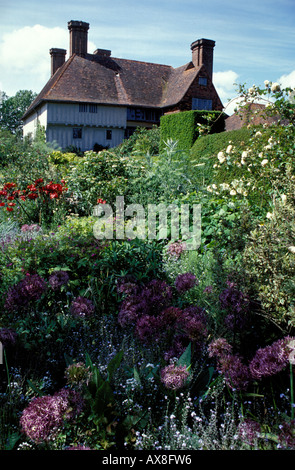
<point x="202" y="54"/>
<point x="58" y="57"/>
<point x="78" y="37"/>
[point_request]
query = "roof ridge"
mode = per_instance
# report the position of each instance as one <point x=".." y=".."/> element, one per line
<point x="142" y="62"/>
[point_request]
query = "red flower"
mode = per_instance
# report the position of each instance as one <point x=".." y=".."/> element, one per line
<point x="11" y="204"/>
<point x="9" y="209"/>
<point x="100" y="201"/>
<point x="9" y="185"/>
<point x="32" y="196"/>
<point x="2" y="204"/>
<point x="39" y="181"/>
<point x="10" y="198"/>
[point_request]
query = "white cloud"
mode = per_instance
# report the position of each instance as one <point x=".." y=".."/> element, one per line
<point x="287" y="81"/>
<point x="25" y="58"/>
<point x="224" y="83"/>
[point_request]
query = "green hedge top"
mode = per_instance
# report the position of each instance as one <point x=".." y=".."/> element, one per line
<point x="184" y="127"/>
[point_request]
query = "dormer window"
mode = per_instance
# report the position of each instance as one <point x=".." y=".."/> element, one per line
<point x="203" y="81"/>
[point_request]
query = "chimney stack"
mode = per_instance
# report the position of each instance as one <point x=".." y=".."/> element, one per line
<point x="58" y="57"/>
<point x="202" y="54"/>
<point x="78" y="37"/>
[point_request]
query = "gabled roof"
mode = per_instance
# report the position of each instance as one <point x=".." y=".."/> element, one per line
<point x="113" y="81"/>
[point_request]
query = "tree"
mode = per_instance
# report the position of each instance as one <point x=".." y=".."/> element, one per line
<point x="13" y="108"/>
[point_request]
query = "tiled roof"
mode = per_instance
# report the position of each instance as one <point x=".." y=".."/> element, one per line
<point x="112" y="81"/>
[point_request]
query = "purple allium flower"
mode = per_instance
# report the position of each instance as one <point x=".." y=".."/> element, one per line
<point x="130" y="311"/>
<point x="174" y="377"/>
<point x="8" y="336"/>
<point x="27" y="290"/>
<point x="185" y="281"/>
<point x="176" y="248"/>
<point x="170" y="315"/>
<point x="249" y="431"/>
<point x="79" y="448"/>
<point x="82" y="307"/>
<point x="179" y="345"/>
<point x="43" y="417"/>
<point x="151" y="299"/>
<point x="156" y="296"/>
<point x="193" y="323"/>
<point x="236" y="374"/>
<point x="73" y="402"/>
<point x="127" y="286"/>
<point x="219" y="347"/>
<point x="233" y="300"/>
<point x="286" y="436"/>
<point x="58" y="279"/>
<point x="208" y="290"/>
<point x="147" y="328"/>
<point x="271" y="359"/>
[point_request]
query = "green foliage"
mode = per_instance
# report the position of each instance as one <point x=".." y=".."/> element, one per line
<point x="97" y="175"/>
<point x="13" y="108"/>
<point x="185" y="127"/>
<point x="206" y="147"/>
<point x="143" y="141"/>
<point x="269" y="260"/>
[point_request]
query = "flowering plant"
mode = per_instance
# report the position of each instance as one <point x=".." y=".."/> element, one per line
<point x="40" y="191"/>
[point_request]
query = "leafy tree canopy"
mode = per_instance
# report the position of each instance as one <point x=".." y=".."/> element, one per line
<point x="13" y="108"/>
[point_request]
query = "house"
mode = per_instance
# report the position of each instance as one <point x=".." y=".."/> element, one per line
<point x="254" y="114"/>
<point x="99" y="100"/>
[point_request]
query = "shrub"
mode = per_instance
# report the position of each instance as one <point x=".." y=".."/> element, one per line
<point x="185" y="127"/>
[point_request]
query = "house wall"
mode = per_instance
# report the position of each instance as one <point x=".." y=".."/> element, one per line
<point x="70" y="114"/>
<point x="39" y="116"/>
<point x="197" y="90"/>
<point x="63" y="136"/>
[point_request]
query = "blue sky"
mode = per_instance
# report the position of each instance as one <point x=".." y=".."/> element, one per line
<point x="255" y="39"/>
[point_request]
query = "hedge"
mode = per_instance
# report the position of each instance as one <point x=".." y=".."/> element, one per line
<point x="183" y="127"/>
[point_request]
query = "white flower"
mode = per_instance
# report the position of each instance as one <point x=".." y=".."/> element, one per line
<point x="229" y="149"/>
<point x="266" y="83"/>
<point x="258" y="134"/>
<point x="233" y="192"/>
<point x="221" y="157"/>
<point x="269" y="215"/>
<point x="264" y="162"/>
<point x="244" y="154"/>
<point x="275" y="87"/>
<point x="284" y="198"/>
<point x="291" y="249"/>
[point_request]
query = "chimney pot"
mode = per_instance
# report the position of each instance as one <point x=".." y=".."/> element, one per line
<point x="202" y="54"/>
<point x="57" y="59"/>
<point x="78" y="37"/>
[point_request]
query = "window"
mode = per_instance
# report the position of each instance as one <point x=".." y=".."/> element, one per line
<point x="203" y="81"/>
<point x="83" y="108"/>
<point x="109" y="134"/>
<point x="77" y="133"/>
<point x="93" y="108"/>
<point x="140" y="114"/>
<point x="199" y="103"/>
